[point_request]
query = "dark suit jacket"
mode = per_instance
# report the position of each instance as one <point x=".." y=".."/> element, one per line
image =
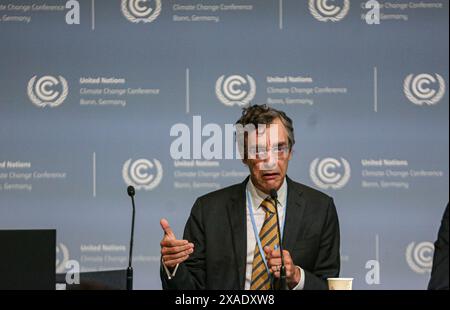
<point x="217" y="227"/>
<point x="439" y="273"/>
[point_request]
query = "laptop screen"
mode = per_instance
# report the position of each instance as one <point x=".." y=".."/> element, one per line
<point x="27" y="259"/>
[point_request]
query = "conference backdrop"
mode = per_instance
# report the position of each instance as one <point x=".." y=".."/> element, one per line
<point x="98" y="95"/>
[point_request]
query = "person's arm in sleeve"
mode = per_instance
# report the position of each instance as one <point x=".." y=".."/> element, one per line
<point x="328" y="259"/>
<point x="439" y="272"/>
<point x="189" y="274"/>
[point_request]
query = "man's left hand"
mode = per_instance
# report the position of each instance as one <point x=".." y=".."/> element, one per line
<point x="274" y="264"/>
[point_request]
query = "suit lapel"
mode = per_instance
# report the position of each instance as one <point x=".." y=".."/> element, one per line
<point x="238" y="222"/>
<point x="295" y="207"/>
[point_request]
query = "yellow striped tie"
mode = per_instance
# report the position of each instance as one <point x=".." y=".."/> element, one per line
<point x="269" y="237"/>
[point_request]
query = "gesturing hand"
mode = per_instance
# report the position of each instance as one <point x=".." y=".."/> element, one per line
<point x="173" y="251"/>
<point x="274" y="264"/>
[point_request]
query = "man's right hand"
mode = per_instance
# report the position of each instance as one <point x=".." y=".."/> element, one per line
<point x="173" y="251"/>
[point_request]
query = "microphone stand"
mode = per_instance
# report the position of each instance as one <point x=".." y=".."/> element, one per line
<point x="131" y="193"/>
<point x="283" y="283"/>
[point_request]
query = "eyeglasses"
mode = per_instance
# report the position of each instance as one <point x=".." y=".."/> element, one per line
<point x="262" y="153"/>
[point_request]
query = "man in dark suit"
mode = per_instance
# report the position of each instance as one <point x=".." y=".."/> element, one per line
<point x="439" y="272"/>
<point x="231" y="238"/>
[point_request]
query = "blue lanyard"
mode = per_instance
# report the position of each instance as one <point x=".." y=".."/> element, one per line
<point x="255" y="230"/>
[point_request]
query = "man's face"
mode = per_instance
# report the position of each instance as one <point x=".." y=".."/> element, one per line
<point x="269" y="166"/>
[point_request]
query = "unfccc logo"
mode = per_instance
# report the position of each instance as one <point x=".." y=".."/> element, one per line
<point x="139" y="173"/>
<point x="139" y="11"/>
<point x="323" y="11"/>
<point x="417" y="88"/>
<point x="324" y="173"/>
<point x="235" y="89"/>
<point x="47" y="91"/>
<point x="420" y="256"/>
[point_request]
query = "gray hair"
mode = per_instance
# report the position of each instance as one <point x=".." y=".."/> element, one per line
<point x="263" y="114"/>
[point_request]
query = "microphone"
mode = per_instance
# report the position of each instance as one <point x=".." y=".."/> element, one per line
<point x="283" y="283"/>
<point x="131" y="192"/>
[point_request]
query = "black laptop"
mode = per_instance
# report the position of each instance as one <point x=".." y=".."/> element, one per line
<point x="27" y="259"/>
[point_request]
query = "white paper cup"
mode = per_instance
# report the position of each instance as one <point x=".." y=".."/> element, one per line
<point x="336" y="284"/>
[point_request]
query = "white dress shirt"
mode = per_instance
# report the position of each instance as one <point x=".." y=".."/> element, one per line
<point x="257" y="197"/>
